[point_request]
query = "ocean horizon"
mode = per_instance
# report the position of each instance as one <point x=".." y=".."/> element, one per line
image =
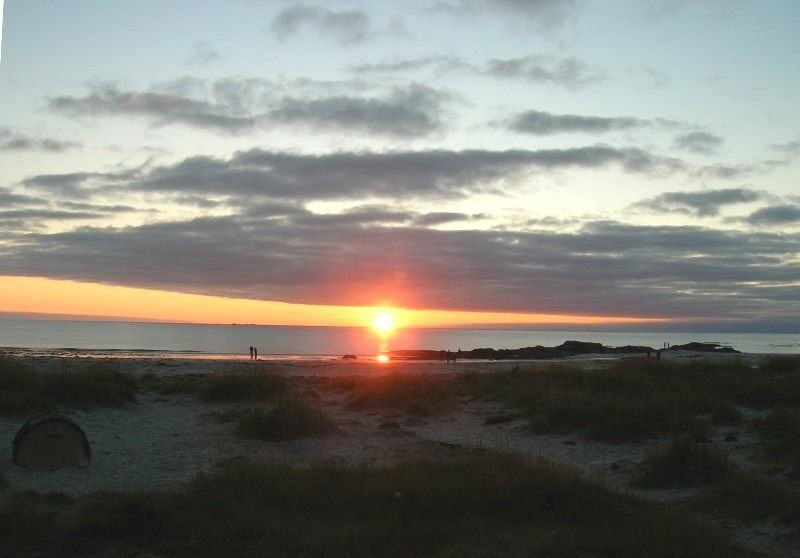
<point x="118" y="338"/>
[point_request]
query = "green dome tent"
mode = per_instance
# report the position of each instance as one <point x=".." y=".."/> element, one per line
<point x="51" y="442"/>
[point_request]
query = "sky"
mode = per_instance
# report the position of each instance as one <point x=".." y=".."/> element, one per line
<point x="463" y="161"/>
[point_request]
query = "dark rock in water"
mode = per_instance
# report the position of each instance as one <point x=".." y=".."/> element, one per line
<point x="632" y="349"/>
<point x="703" y="348"/>
<point x="731" y="438"/>
<point x="565" y="350"/>
<point x="581" y="347"/>
<point x="349" y="356"/>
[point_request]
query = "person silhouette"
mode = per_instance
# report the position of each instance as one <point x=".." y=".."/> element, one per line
<point x="251" y="352"/>
<point x="255" y="353"/>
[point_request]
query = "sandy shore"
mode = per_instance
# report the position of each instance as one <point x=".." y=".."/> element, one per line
<point x="164" y="440"/>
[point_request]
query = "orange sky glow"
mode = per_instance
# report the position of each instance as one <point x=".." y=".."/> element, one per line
<point x="68" y="298"/>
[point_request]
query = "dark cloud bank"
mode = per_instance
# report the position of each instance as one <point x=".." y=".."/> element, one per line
<point x="264" y="243"/>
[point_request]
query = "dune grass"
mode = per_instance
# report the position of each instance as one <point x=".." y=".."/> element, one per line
<point x="277" y="410"/>
<point x="288" y="418"/>
<point x="81" y="385"/>
<point x="234" y="387"/>
<point x="414" y="394"/>
<point x="780" y="437"/>
<point x="638" y="399"/>
<point x="749" y="498"/>
<point x="683" y="463"/>
<point x="484" y="505"/>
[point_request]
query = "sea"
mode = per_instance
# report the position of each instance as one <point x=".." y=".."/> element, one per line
<point x="139" y="339"/>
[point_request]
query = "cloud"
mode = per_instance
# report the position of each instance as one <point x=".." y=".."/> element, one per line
<point x="791" y="148"/>
<point x="571" y="72"/>
<point x="392" y="175"/>
<point x="434" y="63"/>
<point x="203" y="53"/>
<point x="706" y="203"/>
<point x="411" y="111"/>
<point x="11" y="140"/>
<point x="78" y="185"/>
<point x="775" y="215"/>
<point x="239" y="106"/>
<point x="349" y="27"/>
<point x="298" y="256"/>
<point x="700" y="143"/>
<point x="544" y="123"/>
<point x="163" y="108"/>
<point x="545" y="14"/>
<point x="435" y="175"/>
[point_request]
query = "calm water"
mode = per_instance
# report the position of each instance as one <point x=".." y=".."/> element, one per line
<point x="125" y="338"/>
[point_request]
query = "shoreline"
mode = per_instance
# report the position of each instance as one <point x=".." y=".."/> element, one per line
<point x="308" y="365"/>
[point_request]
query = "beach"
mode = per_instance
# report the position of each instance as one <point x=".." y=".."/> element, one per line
<point x="163" y="440"/>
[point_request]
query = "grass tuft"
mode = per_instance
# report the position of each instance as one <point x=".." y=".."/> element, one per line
<point x="83" y="385"/>
<point x="230" y="388"/>
<point x="683" y="463"/>
<point x="413" y="394"/>
<point x="780" y="436"/>
<point x="289" y="418"/>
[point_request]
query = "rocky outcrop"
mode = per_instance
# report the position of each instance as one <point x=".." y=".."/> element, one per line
<point x="703" y="348"/>
<point x="566" y="349"/>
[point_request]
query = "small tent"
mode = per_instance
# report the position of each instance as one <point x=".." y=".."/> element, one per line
<point x="51" y="442"/>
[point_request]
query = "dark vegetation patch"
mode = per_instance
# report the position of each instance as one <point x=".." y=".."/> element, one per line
<point x="81" y="385"/>
<point x="642" y="398"/>
<point x="287" y="418"/>
<point x="484" y="505"/>
<point x="779" y="432"/>
<point x="683" y="463"/>
<point x="749" y="498"/>
<point x="415" y="394"/>
<point x="245" y="385"/>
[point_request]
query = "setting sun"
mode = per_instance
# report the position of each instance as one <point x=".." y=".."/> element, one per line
<point x="384" y="322"/>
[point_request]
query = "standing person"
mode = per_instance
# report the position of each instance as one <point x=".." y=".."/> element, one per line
<point x="251" y="352"/>
<point x="255" y="353"/>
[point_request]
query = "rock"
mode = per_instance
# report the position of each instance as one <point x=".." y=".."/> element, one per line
<point x="349" y="356"/>
<point x="731" y="438"/>
<point x="703" y="348"/>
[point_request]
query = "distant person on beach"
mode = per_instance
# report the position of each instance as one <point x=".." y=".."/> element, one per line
<point x="251" y="352"/>
<point x="255" y="353"/>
